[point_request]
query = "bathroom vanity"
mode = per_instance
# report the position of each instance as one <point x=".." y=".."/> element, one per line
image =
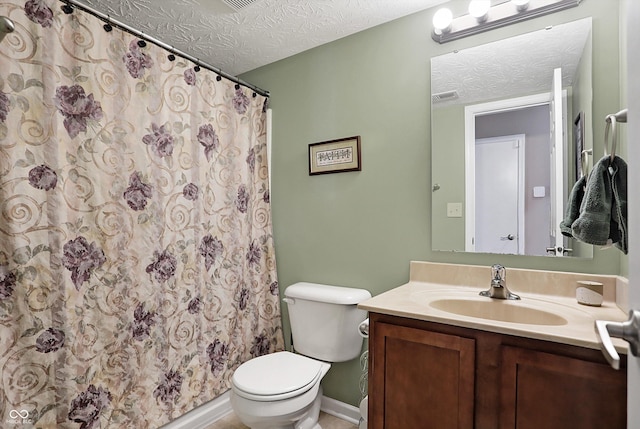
<point x="443" y="357"/>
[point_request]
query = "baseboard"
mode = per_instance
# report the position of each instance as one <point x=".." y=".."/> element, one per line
<point x="341" y="410"/>
<point x="204" y="415"/>
<point x="212" y="411"/>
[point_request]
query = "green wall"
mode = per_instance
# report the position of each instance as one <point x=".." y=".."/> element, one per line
<point x="448" y="233"/>
<point x="361" y="229"/>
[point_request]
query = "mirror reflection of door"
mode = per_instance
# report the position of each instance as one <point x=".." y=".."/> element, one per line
<point x="528" y="116"/>
<point x="558" y="116"/>
<point x="499" y="194"/>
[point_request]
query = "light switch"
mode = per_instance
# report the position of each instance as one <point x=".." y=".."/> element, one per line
<point x="538" y="192"/>
<point x="454" y="209"/>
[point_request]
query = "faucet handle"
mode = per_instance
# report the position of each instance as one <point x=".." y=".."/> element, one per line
<point x="498" y="272"/>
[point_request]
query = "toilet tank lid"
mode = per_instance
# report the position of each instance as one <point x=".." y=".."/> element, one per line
<point x="327" y="293"/>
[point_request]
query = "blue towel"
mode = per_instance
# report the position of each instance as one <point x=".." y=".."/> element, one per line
<point x="603" y="211"/>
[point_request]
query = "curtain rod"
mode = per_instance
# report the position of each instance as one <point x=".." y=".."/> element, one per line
<point x="6" y="26"/>
<point x="140" y="34"/>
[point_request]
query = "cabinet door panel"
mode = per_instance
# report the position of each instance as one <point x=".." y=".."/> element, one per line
<point x="428" y="379"/>
<point x="541" y="390"/>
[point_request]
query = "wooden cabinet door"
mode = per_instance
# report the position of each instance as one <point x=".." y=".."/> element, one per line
<point x="420" y="379"/>
<point x="541" y="390"/>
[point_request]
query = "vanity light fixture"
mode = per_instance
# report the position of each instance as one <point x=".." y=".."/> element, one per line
<point x="521" y="4"/>
<point x="442" y="21"/>
<point x="483" y="17"/>
<point x="479" y="9"/>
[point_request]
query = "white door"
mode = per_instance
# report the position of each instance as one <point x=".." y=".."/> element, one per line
<point x="499" y="195"/>
<point x="633" y="138"/>
<point x="557" y="162"/>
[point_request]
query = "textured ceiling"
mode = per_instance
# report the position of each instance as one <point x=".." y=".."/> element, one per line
<point x="511" y="67"/>
<point x="253" y="33"/>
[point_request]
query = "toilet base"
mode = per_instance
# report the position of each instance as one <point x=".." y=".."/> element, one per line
<point x="310" y="419"/>
<point x="303" y="418"/>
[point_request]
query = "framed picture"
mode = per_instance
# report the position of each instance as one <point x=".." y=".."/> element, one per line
<point x="578" y="140"/>
<point x="335" y="156"/>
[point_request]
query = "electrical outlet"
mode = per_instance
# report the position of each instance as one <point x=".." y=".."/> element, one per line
<point x="454" y="209"/>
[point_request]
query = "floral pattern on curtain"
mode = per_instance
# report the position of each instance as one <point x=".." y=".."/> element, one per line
<point x="137" y="268"/>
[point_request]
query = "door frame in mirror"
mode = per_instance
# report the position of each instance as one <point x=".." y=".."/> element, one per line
<point x="470" y="113"/>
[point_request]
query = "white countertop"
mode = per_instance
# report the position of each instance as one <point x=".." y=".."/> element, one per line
<point x="575" y="326"/>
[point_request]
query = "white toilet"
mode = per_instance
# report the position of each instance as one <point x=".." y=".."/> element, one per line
<point x="282" y="390"/>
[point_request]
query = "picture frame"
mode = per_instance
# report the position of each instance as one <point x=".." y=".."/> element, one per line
<point x="578" y="143"/>
<point x="335" y="156"/>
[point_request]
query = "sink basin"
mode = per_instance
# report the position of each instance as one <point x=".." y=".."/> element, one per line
<point x="501" y="310"/>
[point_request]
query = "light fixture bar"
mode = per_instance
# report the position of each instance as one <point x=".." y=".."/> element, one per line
<point x="500" y="15"/>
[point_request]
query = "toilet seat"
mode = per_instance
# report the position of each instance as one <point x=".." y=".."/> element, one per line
<point x="276" y="376"/>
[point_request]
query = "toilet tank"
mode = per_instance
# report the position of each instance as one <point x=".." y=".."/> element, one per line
<point x="324" y="320"/>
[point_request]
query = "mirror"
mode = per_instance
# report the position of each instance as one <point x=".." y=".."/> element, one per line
<point x="507" y="144"/>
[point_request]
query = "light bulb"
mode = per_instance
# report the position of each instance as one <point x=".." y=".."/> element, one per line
<point x="521" y="4"/>
<point x="479" y="9"/>
<point x="442" y="20"/>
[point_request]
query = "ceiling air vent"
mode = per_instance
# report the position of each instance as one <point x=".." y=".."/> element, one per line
<point x="239" y="4"/>
<point x="444" y="96"/>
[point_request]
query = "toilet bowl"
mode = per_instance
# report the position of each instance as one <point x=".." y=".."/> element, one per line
<point x="280" y="390"/>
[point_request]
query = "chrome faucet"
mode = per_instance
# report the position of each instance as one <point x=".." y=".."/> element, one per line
<point x="498" y="289"/>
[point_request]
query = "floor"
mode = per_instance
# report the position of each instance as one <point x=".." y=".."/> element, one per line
<point x="327" y="421"/>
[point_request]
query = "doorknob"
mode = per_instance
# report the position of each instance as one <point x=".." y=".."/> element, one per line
<point x="508" y="237"/>
<point x="628" y="331"/>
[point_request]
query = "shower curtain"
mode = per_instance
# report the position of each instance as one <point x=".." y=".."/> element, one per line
<point x="137" y="268"/>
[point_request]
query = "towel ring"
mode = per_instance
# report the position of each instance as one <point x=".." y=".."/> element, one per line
<point x="611" y="123"/>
